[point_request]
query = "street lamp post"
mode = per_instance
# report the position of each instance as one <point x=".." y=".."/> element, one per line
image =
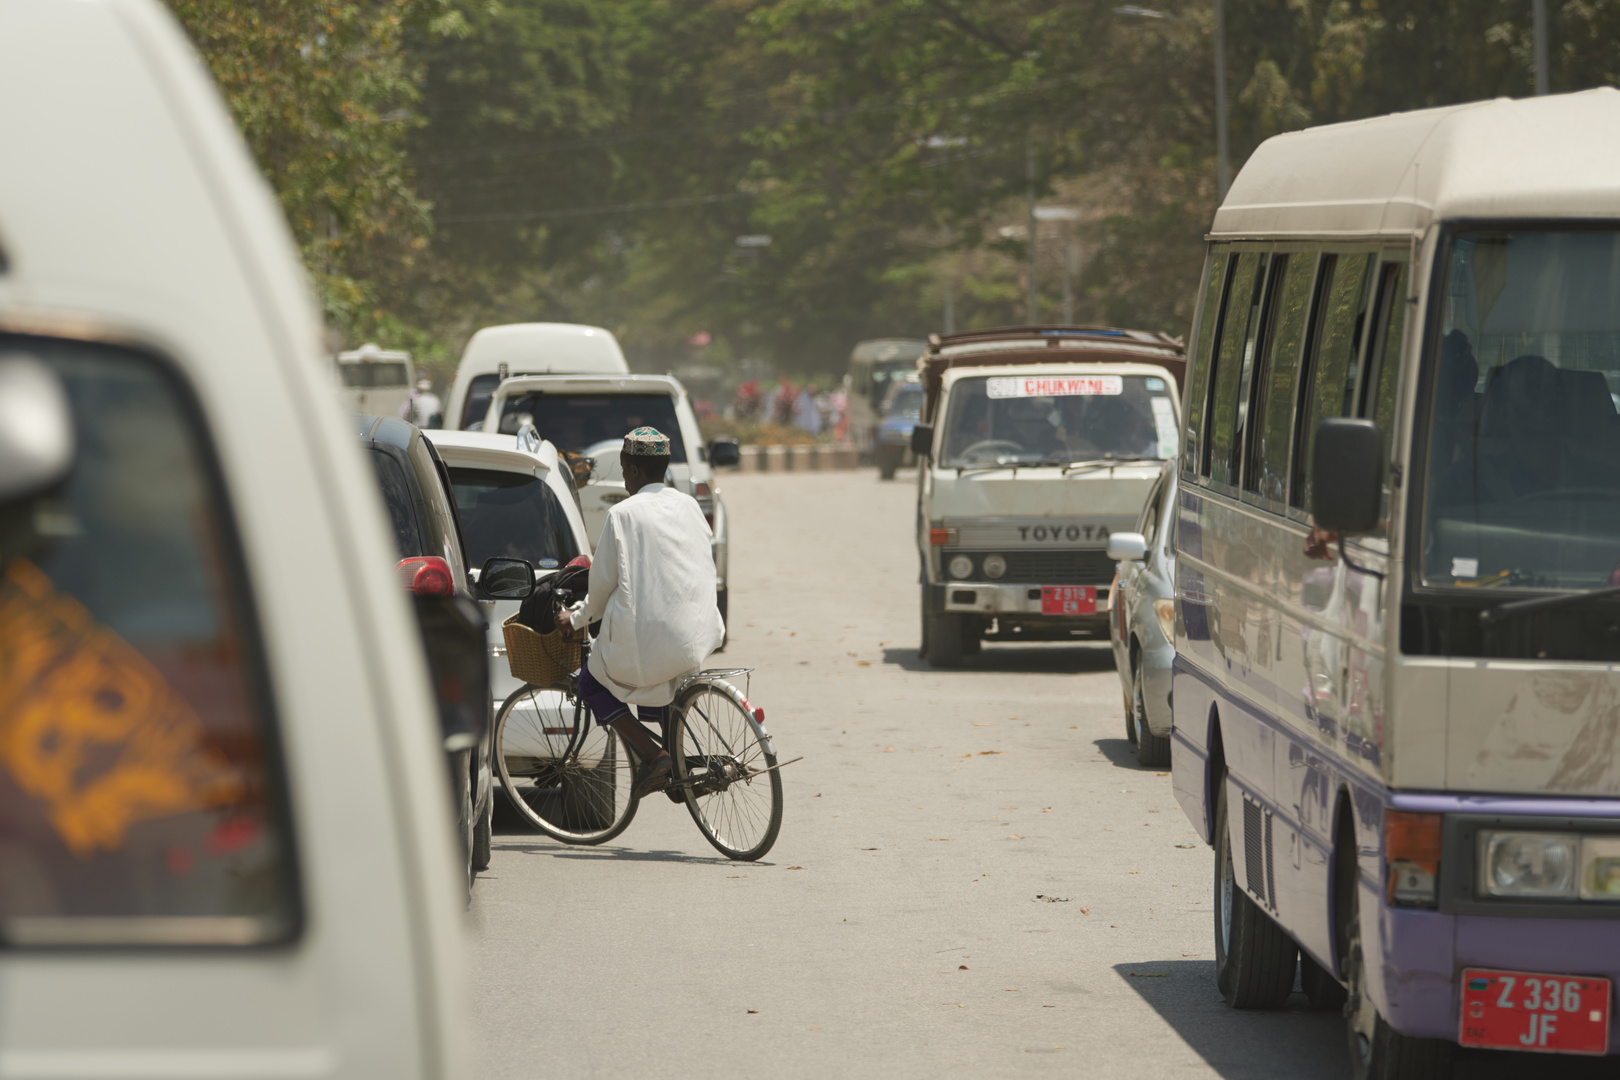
<point x="1223" y="153"/>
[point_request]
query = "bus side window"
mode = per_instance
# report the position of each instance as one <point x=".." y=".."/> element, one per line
<point x="1233" y="354"/>
<point x="1266" y="463"/>
<point x="1333" y="363"/>
<point x="1198" y="360"/>
<point x="1384" y="364"/>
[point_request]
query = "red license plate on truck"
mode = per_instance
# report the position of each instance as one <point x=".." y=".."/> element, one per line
<point x="1527" y="1010"/>
<point x="1068" y="599"/>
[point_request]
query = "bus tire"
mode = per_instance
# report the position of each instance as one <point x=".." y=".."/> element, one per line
<point x="1254" y="960"/>
<point x="1378" y="1051"/>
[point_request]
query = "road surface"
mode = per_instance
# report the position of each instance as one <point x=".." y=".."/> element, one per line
<point x="974" y="878"/>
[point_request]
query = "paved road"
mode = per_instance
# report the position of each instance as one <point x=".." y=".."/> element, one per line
<point x="973" y="878"/>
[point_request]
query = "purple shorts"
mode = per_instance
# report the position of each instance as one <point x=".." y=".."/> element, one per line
<point x="607" y="708"/>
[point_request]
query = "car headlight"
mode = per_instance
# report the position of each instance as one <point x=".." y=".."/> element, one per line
<point x="1528" y="864"/>
<point x="994" y="566"/>
<point x="961" y="566"/>
<point x="1165" y="612"/>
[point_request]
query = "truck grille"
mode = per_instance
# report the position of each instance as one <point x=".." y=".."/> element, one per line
<point x="1071" y="567"/>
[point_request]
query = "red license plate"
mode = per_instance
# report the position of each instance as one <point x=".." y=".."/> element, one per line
<point x="1068" y="599"/>
<point x="1524" y="1010"/>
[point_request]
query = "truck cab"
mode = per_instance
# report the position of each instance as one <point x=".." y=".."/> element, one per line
<point x="1035" y="444"/>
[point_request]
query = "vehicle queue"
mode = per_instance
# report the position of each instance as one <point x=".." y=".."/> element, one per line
<point x="1373" y="488"/>
<point x="1366" y="611"/>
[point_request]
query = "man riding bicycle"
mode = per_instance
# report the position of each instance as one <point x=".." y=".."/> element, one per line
<point x="652" y="586"/>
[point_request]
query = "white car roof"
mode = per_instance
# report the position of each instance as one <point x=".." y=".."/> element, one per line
<point x="607" y="384"/>
<point x="1544" y="157"/>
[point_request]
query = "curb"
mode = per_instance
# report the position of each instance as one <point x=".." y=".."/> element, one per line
<point x="798" y="458"/>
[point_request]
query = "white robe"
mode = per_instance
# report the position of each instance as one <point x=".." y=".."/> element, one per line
<point x="653" y="587"/>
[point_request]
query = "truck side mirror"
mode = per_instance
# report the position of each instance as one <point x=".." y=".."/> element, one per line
<point x="725" y="454"/>
<point x="36" y="428"/>
<point x="922" y="440"/>
<point x="1347" y="475"/>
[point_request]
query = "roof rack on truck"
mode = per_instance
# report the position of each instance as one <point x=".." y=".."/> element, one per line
<point x="1004" y="345"/>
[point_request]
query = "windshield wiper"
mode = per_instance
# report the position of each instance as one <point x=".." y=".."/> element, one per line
<point x="1518" y="607"/>
<point x="1093" y="463"/>
<point x="981" y="467"/>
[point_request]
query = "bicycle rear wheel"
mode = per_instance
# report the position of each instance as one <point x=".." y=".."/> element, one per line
<point x="570" y="778"/>
<point x="720" y="760"/>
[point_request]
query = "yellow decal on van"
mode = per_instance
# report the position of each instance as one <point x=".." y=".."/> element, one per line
<point x="89" y="727"/>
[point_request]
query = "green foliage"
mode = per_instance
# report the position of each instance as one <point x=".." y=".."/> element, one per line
<point x="619" y="161"/>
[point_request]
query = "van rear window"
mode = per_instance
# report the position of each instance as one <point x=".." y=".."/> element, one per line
<point x="141" y="798"/>
<point x="579" y="421"/>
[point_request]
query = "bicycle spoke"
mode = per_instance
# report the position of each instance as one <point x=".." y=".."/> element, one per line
<point x="569" y="777"/>
<point x="735" y="795"/>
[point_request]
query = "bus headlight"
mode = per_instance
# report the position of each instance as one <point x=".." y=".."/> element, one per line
<point x="961" y="566"/>
<point x="1534" y="864"/>
<point x="994" y="566"/>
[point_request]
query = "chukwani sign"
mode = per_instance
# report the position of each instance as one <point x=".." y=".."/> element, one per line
<point x="1055" y="386"/>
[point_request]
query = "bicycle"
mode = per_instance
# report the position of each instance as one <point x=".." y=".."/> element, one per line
<point x="575" y="780"/>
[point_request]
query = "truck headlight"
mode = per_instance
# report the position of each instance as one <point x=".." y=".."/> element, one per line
<point x="994" y="566"/>
<point x="961" y="566"/>
<point x="1535" y="864"/>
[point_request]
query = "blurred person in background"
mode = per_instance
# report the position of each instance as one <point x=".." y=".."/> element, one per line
<point x="423" y="408"/>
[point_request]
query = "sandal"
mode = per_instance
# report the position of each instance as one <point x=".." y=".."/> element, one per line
<point x="652" y="776"/>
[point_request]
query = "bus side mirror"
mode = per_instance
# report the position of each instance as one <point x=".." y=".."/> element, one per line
<point x="922" y="440"/>
<point x="1347" y="476"/>
<point x="37" y="440"/>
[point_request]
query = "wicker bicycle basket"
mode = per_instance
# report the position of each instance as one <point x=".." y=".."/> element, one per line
<point x="544" y="660"/>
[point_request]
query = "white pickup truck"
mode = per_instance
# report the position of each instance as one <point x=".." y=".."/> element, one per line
<point x="1035" y="444"/>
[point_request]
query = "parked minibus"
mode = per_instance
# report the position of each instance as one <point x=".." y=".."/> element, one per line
<point x="1396" y="691"/>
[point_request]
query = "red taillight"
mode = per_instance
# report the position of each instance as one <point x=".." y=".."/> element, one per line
<point x="580" y="560"/>
<point x="427" y="575"/>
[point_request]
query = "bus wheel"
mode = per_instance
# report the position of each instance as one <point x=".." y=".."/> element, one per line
<point x="1378" y="1051"/>
<point x="1254" y="959"/>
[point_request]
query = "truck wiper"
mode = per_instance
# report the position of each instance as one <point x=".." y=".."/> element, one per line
<point x="1490" y="616"/>
<point x="1094" y="462"/>
<point x="961" y="469"/>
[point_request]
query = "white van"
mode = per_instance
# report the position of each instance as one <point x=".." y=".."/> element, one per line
<point x="1038" y="442"/>
<point x="225" y="840"/>
<point x="374" y="380"/>
<point x="497" y="352"/>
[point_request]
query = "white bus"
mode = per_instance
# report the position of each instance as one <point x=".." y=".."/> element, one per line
<point x="1396" y="694"/>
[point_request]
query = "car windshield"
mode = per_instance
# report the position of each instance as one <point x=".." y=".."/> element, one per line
<point x="574" y="421"/>
<point x="1026" y="419"/>
<point x="511" y="515"/>
<point x="905" y="400"/>
<point x="1524" y="459"/>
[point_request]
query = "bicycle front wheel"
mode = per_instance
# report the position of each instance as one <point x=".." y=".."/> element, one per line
<point x="570" y="778"/>
<point x="725" y="770"/>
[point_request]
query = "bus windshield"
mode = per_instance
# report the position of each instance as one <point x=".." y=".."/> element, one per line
<point x="1058" y="419"/>
<point x="1524" y="460"/>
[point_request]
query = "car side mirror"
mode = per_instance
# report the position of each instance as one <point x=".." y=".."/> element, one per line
<point x="1126" y="546"/>
<point x="922" y="440"/>
<point x="36" y="428"/>
<point x="1347" y="475"/>
<point x="725" y="454"/>
<point x="506" y="579"/>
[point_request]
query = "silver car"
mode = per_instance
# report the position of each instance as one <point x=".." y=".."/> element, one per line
<point x="1142" y="624"/>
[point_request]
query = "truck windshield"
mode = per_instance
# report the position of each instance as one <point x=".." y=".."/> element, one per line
<point x="1524" y="459"/>
<point x="1026" y="419"/>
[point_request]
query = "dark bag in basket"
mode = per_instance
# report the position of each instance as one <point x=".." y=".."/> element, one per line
<point x="567" y="586"/>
